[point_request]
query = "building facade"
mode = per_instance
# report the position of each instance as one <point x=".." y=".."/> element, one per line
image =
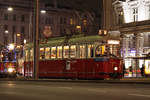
<point x="132" y="20"/>
<point x="20" y="20"/>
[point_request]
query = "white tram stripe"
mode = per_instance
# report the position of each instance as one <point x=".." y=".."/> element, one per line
<point x="140" y="95"/>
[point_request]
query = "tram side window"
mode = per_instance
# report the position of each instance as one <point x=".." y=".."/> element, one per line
<point x="66" y="52"/>
<point x="73" y="51"/>
<point x="100" y="51"/>
<point x="47" y="53"/>
<point x="82" y="51"/>
<point x="59" y="52"/>
<point x="26" y="55"/>
<point x="53" y="52"/>
<point x="90" y="51"/>
<point x="114" y="50"/>
<point x="42" y="55"/>
<point x="31" y="54"/>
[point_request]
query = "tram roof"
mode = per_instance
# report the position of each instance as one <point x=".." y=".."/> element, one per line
<point x="55" y="41"/>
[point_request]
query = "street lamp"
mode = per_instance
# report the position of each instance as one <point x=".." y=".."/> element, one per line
<point x="11" y="46"/>
<point x="6" y="32"/>
<point x="10" y="9"/>
<point x="43" y="11"/>
<point x="25" y="41"/>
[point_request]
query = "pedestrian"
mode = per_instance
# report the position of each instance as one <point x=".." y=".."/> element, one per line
<point x="143" y="70"/>
<point x="124" y="70"/>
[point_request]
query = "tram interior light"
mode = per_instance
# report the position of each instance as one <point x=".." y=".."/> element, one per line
<point x="113" y="42"/>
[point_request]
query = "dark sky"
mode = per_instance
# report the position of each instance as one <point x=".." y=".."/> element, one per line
<point x="91" y="5"/>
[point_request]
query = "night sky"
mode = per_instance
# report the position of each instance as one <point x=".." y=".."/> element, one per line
<point x="90" y="5"/>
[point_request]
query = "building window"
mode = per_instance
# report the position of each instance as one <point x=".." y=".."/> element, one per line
<point x="5" y="16"/>
<point x="84" y="22"/>
<point x="22" y="29"/>
<point x="14" y="17"/>
<point x="22" y="18"/>
<point x="63" y="20"/>
<point x="13" y="32"/>
<point x="48" y="20"/>
<point x="71" y="21"/>
<point x="5" y="27"/>
<point x="14" y="29"/>
<point x="120" y="17"/>
<point x="135" y="14"/>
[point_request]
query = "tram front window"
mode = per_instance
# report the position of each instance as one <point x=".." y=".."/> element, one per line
<point x="100" y="51"/>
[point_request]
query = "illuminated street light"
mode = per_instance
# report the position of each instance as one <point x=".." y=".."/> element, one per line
<point x="25" y="41"/>
<point x="78" y="27"/>
<point x="43" y="11"/>
<point x="10" y="9"/>
<point x="11" y="46"/>
<point x="18" y="34"/>
<point x="6" y="32"/>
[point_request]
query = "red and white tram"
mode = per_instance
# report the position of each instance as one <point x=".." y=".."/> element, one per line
<point x="79" y="57"/>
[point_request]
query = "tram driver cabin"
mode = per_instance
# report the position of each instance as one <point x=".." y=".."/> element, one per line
<point x="77" y="57"/>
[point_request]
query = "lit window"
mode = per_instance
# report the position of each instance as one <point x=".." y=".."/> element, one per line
<point x="73" y="51"/>
<point x="26" y="55"/>
<point x="85" y="22"/>
<point x="90" y="51"/>
<point x="135" y="14"/>
<point x="71" y="21"/>
<point x="114" y="49"/>
<point x="59" y="52"/>
<point x="42" y="55"/>
<point x="78" y="27"/>
<point x="82" y="51"/>
<point x="66" y="51"/>
<point x="31" y="54"/>
<point x="47" y="53"/>
<point x="100" y="50"/>
<point x="53" y="52"/>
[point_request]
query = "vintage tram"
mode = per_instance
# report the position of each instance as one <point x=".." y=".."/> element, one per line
<point x="7" y="69"/>
<point x="77" y="57"/>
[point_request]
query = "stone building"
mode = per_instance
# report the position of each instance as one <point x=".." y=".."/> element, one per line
<point x="132" y="20"/>
<point x="20" y="20"/>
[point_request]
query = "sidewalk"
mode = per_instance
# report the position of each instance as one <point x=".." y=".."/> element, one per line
<point x="111" y="81"/>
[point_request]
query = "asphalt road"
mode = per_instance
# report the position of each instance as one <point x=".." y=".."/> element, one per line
<point x="29" y="90"/>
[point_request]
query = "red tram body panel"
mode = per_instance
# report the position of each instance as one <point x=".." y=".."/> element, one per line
<point x="77" y="68"/>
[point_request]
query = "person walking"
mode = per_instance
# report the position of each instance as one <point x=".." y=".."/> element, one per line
<point x="143" y="70"/>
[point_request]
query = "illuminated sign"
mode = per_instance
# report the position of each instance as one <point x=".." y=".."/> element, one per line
<point x="113" y="42"/>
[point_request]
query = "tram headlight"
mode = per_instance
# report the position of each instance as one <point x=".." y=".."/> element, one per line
<point x="115" y="68"/>
<point x="10" y="70"/>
